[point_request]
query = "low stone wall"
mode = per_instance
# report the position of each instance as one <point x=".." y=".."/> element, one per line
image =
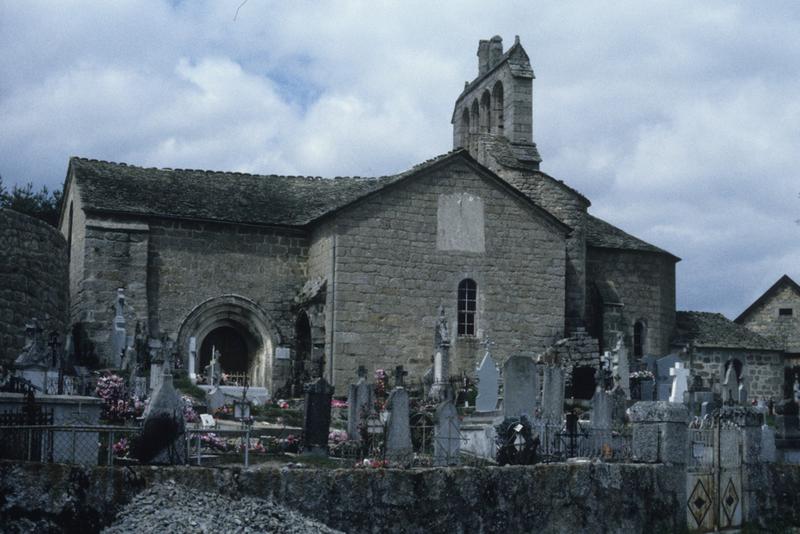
<point x="33" y="279"/>
<point x="593" y="497"/>
<point x="543" y="498"/>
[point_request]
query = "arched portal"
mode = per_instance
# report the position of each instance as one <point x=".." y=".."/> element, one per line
<point x="240" y="329"/>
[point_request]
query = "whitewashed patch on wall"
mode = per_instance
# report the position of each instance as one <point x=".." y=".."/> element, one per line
<point x="460" y="223"/>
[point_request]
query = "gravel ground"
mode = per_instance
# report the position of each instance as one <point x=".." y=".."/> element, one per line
<point x="171" y="509"/>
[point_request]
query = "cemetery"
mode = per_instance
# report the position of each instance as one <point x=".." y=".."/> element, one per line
<point x="377" y="355"/>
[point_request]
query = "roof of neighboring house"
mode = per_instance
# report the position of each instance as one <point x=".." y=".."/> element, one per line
<point x="709" y="329"/>
<point x="601" y="234"/>
<point x="242" y="198"/>
<point x="783" y="281"/>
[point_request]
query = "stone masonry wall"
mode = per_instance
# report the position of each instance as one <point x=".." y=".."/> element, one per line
<point x="192" y="262"/>
<point x="646" y="284"/>
<point x="390" y="277"/>
<point x="570" y="209"/>
<point x="762" y="370"/>
<point x="543" y="498"/>
<point x="33" y="279"/>
<point x="767" y="321"/>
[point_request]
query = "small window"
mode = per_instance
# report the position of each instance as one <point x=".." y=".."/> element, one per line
<point x="638" y="339"/>
<point x="467" y="306"/>
<point x="785" y="311"/>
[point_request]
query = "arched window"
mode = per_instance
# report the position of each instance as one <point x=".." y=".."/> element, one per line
<point x="467" y="307"/>
<point x="465" y="128"/>
<point x="486" y="112"/>
<point x="497" y="108"/>
<point x="639" y="338"/>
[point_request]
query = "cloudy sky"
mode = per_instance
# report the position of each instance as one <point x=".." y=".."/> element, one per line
<point x="680" y="120"/>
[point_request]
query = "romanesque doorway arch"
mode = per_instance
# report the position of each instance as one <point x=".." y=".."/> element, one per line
<point x="240" y="329"/>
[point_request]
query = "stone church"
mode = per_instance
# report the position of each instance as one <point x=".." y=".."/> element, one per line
<point x="295" y="276"/>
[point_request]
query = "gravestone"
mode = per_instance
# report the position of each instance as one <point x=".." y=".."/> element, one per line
<point x="359" y="404"/>
<point x="553" y="393"/>
<point x="155" y="349"/>
<point x="317" y="416"/>
<point x="488" y="377"/>
<point x="214" y="370"/>
<point x="399" y="450"/>
<point x="648" y="363"/>
<point x="730" y="386"/>
<point x="680" y="382"/>
<point x="768" y="450"/>
<point x="619" y="404"/>
<point x="441" y="359"/>
<point x="602" y="410"/>
<point x="162" y="440"/>
<point x="521" y="384"/>
<point x="215" y="399"/>
<point x="118" y="336"/>
<point x="663" y="378"/>
<point x="742" y="393"/>
<point x="621" y="367"/>
<point x="647" y="390"/>
<point x="447" y="435"/>
<point x="192" y="363"/>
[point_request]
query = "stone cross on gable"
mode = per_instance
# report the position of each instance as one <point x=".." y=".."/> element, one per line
<point x="399" y="373"/>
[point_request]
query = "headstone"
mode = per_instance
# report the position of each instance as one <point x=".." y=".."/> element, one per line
<point x="619" y="405"/>
<point x="488" y="377"/>
<point x="680" y="382"/>
<point x="521" y="387"/>
<point x="621" y="367"/>
<point x="163" y="431"/>
<point x="317" y="419"/>
<point x="156" y="363"/>
<point x="768" y="450"/>
<point x="730" y="386"/>
<point x="192" y="360"/>
<point x="359" y="405"/>
<point x="215" y="399"/>
<point x="601" y="410"/>
<point x="140" y="387"/>
<point x="399" y="450"/>
<point x="742" y="393"/>
<point x="447" y="435"/>
<point x="207" y="421"/>
<point x="648" y="363"/>
<point x="214" y="369"/>
<point x="663" y="378"/>
<point x="118" y="336"/>
<point x="647" y="389"/>
<point x="441" y="359"/>
<point x="553" y="393"/>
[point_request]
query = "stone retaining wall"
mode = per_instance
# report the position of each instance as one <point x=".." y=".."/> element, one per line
<point x="33" y="279"/>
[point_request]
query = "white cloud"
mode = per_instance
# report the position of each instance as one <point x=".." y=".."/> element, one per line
<point x="677" y="119"/>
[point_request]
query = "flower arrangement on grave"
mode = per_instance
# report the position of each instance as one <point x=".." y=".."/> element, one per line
<point x="372" y="463"/>
<point x="189" y="413"/>
<point x="640" y="376"/>
<point x="215" y="442"/>
<point x="256" y="446"/>
<point x="337" y="436"/>
<point x="121" y="449"/>
<point x="116" y="406"/>
<point x="336" y="403"/>
<point x="224" y="411"/>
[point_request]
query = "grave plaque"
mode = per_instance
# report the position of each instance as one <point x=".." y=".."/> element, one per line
<point x="359" y="405"/>
<point x="488" y="377"/>
<point x="399" y="450"/>
<point x="553" y="394"/>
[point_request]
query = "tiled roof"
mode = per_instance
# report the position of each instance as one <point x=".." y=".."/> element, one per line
<point x="783" y="281"/>
<point x="221" y="196"/>
<point x="708" y="329"/>
<point x="601" y="234"/>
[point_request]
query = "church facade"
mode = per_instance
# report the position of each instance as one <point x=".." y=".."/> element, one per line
<point x="292" y="277"/>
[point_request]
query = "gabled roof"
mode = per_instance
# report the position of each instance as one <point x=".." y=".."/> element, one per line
<point x="714" y="330"/>
<point x="783" y="281"/>
<point x="241" y="198"/>
<point x="601" y="234"/>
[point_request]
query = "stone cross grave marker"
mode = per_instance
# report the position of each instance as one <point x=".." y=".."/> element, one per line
<point x="730" y="386"/>
<point x="317" y="416"/>
<point x="447" y="435"/>
<point x="621" y="367"/>
<point x="680" y="382"/>
<point x="619" y="404"/>
<point x="488" y="377"/>
<point x="441" y="359"/>
<point x="553" y="393"/>
<point x="359" y="404"/>
<point x="601" y="410"/>
<point x="399" y="450"/>
<point x="663" y="378"/>
<point x="399" y="376"/>
<point x="165" y="405"/>
<point x="521" y="382"/>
